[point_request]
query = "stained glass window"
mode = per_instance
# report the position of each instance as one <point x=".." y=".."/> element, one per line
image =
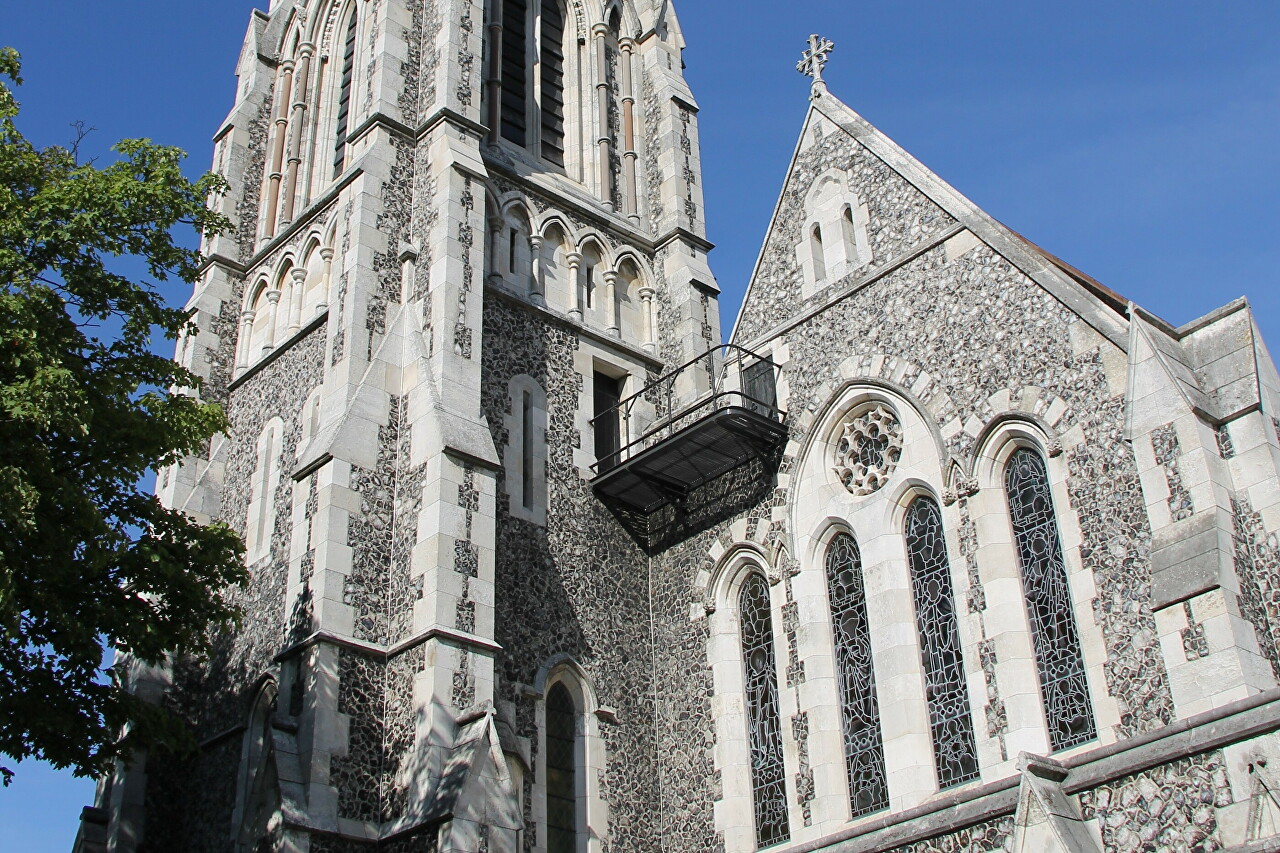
<point x="562" y="810"/>
<point x="856" y="681"/>
<point x="1044" y="584"/>
<point x="764" y="722"/>
<point x="948" y="700"/>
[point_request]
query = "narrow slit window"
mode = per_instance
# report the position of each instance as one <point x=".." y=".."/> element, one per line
<point x="819" y="258"/>
<point x="1048" y="598"/>
<point x="512" y="249"/>
<point x="526" y="449"/>
<point x="344" y="97"/>
<point x="850" y="236"/>
<point x="764" y="716"/>
<point x="855" y="677"/>
<point x="950" y="722"/>
<point x="562" y="787"/>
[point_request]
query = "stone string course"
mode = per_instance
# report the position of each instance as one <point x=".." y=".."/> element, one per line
<point x="987" y="837"/>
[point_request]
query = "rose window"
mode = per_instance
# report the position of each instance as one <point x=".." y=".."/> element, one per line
<point x="869" y="448"/>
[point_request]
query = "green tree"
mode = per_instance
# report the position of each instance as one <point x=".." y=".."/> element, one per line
<point x="87" y="559"/>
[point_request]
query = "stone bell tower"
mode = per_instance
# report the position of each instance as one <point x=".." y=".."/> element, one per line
<point x="462" y="232"/>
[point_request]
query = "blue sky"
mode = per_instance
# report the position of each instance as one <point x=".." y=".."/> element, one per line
<point x="1140" y="141"/>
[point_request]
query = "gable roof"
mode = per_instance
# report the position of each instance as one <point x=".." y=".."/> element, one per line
<point x="1102" y="308"/>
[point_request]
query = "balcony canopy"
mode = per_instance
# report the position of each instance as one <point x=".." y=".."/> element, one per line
<point x="670" y="450"/>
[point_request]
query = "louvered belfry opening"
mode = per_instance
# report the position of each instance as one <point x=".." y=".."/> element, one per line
<point x="684" y="432"/>
<point x="344" y="97"/>
<point x="552" y="74"/>
<point x="515" y="76"/>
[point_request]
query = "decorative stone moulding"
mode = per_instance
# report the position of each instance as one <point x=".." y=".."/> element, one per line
<point x="869" y="448"/>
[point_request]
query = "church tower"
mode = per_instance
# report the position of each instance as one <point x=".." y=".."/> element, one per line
<point x="464" y="232"/>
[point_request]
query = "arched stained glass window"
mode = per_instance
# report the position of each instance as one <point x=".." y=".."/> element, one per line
<point x="561" y="762"/>
<point x="764" y="722"/>
<point x="949" y="719"/>
<point x="856" y="680"/>
<point x="1044" y="584"/>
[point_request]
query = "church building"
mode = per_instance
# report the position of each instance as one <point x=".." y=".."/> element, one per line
<point x="950" y="548"/>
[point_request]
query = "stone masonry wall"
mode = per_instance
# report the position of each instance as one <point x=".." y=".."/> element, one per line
<point x="193" y="797"/>
<point x="977" y="327"/>
<point x="577" y="587"/>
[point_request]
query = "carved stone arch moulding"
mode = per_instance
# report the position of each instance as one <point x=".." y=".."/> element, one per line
<point x="726" y="560"/>
<point x="897" y="376"/>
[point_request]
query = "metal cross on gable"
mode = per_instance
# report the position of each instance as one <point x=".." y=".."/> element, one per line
<point x="815" y="58"/>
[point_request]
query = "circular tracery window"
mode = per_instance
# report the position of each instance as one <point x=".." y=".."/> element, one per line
<point x="868" y="449"/>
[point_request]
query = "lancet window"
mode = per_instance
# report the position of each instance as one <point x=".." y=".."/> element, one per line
<point x="261" y="512"/>
<point x="1049" y="607"/>
<point x="950" y="722"/>
<point x="561" y="765"/>
<point x="855" y="678"/>
<point x="764" y="722"/>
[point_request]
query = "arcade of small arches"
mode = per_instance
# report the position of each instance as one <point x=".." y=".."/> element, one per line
<point x="281" y="302"/>
<point x="887" y="553"/>
<point x="552" y="264"/>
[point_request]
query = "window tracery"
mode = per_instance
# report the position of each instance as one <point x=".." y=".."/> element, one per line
<point x="1064" y="689"/>
<point x="764" y="723"/>
<point x="955" y="754"/>
<point x="868" y="450"/>
<point x="855" y="678"/>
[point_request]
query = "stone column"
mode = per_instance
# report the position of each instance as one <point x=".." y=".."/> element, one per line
<point x="630" y="196"/>
<point x="326" y="255"/>
<point x="299" y="275"/>
<point x="283" y="90"/>
<point x="273" y="310"/>
<point x="536" y="293"/>
<point x="646" y="308"/>
<point x="246" y="333"/>
<point x="297" y="123"/>
<point x="574" y="261"/>
<point x="611" y="302"/>
<point x="495" y="248"/>
<point x="605" y="152"/>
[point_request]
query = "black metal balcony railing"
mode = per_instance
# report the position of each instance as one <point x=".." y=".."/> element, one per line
<point x="665" y="451"/>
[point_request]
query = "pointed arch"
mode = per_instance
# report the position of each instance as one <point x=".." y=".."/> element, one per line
<point x="855" y="675"/>
<point x="950" y="718"/>
<point x="257" y="790"/>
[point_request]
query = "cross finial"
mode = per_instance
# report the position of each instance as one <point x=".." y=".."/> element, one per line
<point x="815" y="59"/>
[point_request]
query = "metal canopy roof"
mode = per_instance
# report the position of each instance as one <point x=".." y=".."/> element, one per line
<point x="723" y="431"/>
